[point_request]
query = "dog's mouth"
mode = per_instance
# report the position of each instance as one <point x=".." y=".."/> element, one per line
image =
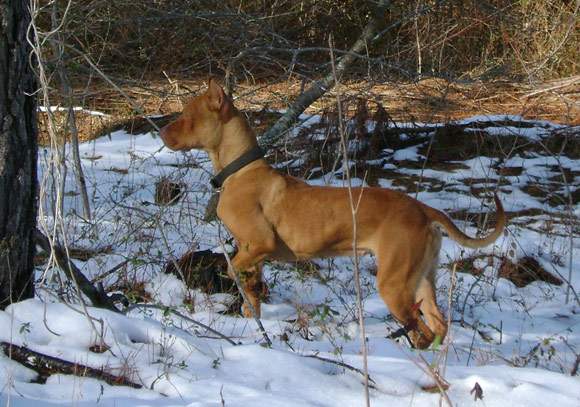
<point x="170" y="145"/>
<point x="176" y="147"/>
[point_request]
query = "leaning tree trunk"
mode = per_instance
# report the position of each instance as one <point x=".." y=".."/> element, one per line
<point x="18" y="149"/>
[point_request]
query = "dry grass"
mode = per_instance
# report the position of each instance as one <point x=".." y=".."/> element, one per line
<point x="520" y="39"/>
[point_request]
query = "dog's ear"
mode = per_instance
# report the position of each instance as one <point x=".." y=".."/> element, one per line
<point x="218" y="100"/>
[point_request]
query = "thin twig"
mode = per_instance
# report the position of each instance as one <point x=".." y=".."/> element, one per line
<point x="353" y="208"/>
<point x="373" y="384"/>
<point x="58" y="49"/>
<point x="182" y="316"/>
<point x="107" y="273"/>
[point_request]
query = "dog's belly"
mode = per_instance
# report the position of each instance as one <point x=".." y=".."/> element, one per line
<point x="312" y="240"/>
<point x="286" y="254"/>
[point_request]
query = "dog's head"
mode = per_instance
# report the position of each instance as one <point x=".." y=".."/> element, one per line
<point x="200" y="124"/>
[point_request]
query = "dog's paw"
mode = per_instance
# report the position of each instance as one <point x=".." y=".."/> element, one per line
<point x="247" y="311"/>
<point x="421" y="340"/>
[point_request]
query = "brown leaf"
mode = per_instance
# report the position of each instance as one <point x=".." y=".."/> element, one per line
<point x="477" y="392"/>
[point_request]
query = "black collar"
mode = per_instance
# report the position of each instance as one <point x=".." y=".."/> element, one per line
<point x="249" y="156"/>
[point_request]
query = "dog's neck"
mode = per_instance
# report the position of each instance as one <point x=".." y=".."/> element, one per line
<point x="237" y="138"/>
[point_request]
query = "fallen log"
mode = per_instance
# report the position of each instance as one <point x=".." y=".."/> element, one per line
<point x="46" y="365"/>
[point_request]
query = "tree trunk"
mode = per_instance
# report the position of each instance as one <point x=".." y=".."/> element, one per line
<point x="18" y="179"/>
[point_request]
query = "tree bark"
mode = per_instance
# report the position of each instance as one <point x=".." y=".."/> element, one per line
<point x="18" y="149"/>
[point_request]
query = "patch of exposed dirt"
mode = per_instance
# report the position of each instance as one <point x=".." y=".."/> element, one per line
<point x="133" y="291"/>
<point x="511" y="171"/>
<point x="523" y="272"/>
<point x="168" y="192"/>
<point x="429" y="100"/>
<point x="203" y="270"/>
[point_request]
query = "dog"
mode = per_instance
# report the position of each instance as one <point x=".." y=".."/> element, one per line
<point x="279" y="217"/>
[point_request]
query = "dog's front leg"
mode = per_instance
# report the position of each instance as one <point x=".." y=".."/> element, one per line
<point x="246" y="266"/>
<point x="255" y="239"/>
<point x="251" y="280"/>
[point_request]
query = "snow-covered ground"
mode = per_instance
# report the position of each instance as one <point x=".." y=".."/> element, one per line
<point x="519" y="345"/>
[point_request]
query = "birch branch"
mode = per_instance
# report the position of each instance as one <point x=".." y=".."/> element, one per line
<point x="320" y="87"/>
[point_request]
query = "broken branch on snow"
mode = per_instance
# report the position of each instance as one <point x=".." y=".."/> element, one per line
<point x="46" y="365"/>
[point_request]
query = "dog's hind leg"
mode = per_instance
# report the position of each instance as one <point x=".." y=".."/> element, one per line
<point x="426" y="294"/>
<point x="398" y="278"/>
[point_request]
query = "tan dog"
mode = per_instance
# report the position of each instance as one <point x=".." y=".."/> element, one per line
<point x="275" y="216"/>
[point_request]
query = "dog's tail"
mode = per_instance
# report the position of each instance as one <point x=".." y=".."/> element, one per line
<point x="443" y="220"/>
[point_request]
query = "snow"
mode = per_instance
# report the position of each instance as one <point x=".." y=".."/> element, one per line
<point x="75" y="108"/>
<point x="409" y="153"/>
<point x="194" y="371"/>
<point x="518" y="344"/>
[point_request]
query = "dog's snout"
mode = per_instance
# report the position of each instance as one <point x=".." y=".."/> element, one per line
<point x="163" y="133"/>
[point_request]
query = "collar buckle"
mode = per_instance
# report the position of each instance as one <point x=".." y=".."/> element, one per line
<point x="215" y="183"/>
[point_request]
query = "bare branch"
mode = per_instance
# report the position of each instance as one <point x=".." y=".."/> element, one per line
<point x="97" y="298"/>
<point x="46" y="365"/>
